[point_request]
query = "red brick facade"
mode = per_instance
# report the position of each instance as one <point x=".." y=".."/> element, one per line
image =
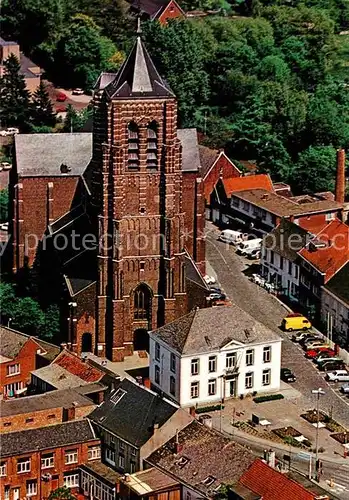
<point x="171" y="11"/>
<point x="222" y="168"/>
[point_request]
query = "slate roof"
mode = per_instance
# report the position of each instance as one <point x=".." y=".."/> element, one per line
<point x="138" y="401"/>
<point x="287" y="239"/>
<point x="272" y="484"/>
<point x="103" y="80"/>
<point x="190" y="149"/>
<point x="138" y="78"/>
<point x="284" y="207"/>
<point x="339" y="284"/>
<point x="53" y="436"/>
<point x="247" y="182"/>
<point x="208" y="453"/>
<point x="149" y="481"/>
<point x="43" y="154"/>
<point x="100" y="470"/>
<point x="151" y="7"/>
<point x="77" y="367"/>
<point x="58" y="377"/>
<point x="212" y="328"/>
<point x="331" y="257"/>
<point x="53" y="399"/>
<point x="207" y="158"/>
<point x="192" y="273"/>
<point x="11" y="342"/>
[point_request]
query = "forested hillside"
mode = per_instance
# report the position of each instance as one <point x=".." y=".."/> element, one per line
<point x="266" y="79"/>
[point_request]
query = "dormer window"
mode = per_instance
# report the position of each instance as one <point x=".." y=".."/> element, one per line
<point x="152" y="146"/>
<point x="133" y="146"/>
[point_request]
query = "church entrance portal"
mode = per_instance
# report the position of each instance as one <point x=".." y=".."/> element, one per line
<point x="86" y="342"/>
<point x="141" y="340"/>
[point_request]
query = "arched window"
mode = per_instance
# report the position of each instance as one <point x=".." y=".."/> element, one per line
<point x="152" y="146"/>
<point x="142" y="302"/>
<point x="133" y="146"/>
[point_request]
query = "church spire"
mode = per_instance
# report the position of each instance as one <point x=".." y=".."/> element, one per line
<point x="138" y="76"/>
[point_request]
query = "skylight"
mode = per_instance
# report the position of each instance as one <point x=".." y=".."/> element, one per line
<point x="182" y="461"/>
<point x="209" y="480"/>
<point x="115" y="398"/>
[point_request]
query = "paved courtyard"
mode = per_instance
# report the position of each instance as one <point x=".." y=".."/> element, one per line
<point x="231" y="271"/>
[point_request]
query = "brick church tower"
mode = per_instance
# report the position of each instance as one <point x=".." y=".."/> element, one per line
<point x="136" y="180"/>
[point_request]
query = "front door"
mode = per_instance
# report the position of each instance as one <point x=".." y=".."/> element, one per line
<point x="15" y="493"/>
<point x="232" y="388"/>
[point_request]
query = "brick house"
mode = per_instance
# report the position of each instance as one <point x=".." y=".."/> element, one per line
<point x="41" y="410"/>
<point x="20" y="354"/>
<point x="152" y="197"/>
<point x="160" y="10"/>
<point x="29" y="70"/>
<point x="35" y="462"/>
<point x="126" y="442"/>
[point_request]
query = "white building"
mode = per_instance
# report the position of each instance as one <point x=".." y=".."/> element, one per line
<point x="280" y="263"/>
<point x="212" y="354"/>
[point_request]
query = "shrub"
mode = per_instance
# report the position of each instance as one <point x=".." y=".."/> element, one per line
<point x="206" y="409"/>
<point x="271" y="397"/>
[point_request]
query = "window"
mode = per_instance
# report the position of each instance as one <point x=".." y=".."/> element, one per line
<point x="121" y="461"/>
<point x="23" y="465"/>
<point x="29" y="420"/>
<point x="209" y="480"/>
<point x="249" y="380"/>
<point x="330" y="216"/>
<point x="245" y="206"/>
<point x="188" y="496"/>
<point x="157" y="351"/>
<point x="50" y="417"/>
<point x="32" y="488"/>
<point x="271" y="257"/>
<point x="7" y="424"/>
<point x="249" y="357"/>
<point x="133" y="146"/>
<point x="7" y="492"/>
<point x="47" y="461"/>
<point x="305" y="281"/>
<point x="235" y="202"/>
<point x="121" y="445"/>
<point x="71" y="457"/>
<point x="110" y="456"/>
<point x="195" y="367"/>
<point x="13" y="369"/>
<point x="132" y="467"/>
<point x="152" y="146"/>
<point x="173" y="363"/>
<point x="3" y="469"/>
<point x="212" y="387"/>
<point x="266" y="377"/>
<point x="194" y="390"/>
<point x="230" y="360"/>
<point x="157" y="374"/>
<point x="281" y="262"/>
<point x="71" y="480"/>
<point x="142" y="302"/>
<point x="11" y="389"/>
<point x="212" y="364"/>
<point x="94" y="452"/>
<point x="290" y="268"/>
<point x="173" y="386"/>
<point x="266" y="354"/>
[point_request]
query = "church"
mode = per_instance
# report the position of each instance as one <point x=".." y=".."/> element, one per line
<point x="112" y="221"/>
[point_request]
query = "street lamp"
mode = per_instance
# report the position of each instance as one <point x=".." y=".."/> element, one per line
<point x="319" y="392"/>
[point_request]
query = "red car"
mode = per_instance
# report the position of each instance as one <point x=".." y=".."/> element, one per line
<point x="61" y="97"/>
<point x="314" y="352"/>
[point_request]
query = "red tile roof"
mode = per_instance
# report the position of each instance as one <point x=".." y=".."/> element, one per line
<point x="259" y="181"/>
<point x="273" y="485"/>
<point x="331" y="257"/>
<point x="77" y="367"/>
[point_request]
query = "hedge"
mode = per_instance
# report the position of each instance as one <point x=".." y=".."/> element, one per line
<point x="206" y="409"/>
<point x="271" y="397"/>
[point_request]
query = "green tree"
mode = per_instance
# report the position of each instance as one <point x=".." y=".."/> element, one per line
<point x="76" y="120"/>
<point x="51" y="326"/>
<point x="43" y="114"/>
<point x="4" y="205"/>
<point x="61" y="494"/>
<point x="14" y="97"/>
<point x="315" y="169"/>
<point x="28" y="316"/>
<point x="8" y="300"/>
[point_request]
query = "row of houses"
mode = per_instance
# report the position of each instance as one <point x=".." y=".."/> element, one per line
<point x="106" y="438"/>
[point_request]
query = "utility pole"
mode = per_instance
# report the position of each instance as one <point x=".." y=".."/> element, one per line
<point x="319" y="392"/>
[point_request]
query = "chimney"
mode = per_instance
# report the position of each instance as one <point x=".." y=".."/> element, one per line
<point x="271" y="458"/>
<point x="178" y="447"/>
<point x="155" y="427"/>
<point x="340" y="178"/>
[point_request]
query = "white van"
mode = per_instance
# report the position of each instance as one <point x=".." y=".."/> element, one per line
<point x="230" y="236"/>
<point x="338" y="376"/>
<point x="247" y="246"/>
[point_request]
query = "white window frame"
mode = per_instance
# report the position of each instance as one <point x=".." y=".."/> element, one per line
<point x="267" y="354"/>
<point x="71" y="480"/>
<point x="249" y="357"/>
<point x="3" y="469"/>
<point x="230" y="360"/>
<point x="47" y="461"/>
<point x="23" y="465"/>
<point x="329" y="216"/>
<point x="71" y="457"/>
<point x="14" y="387"/>
<point x="212" y="387"/>
<point x="212" y="364"/>
<point x="266" y="377"/>
<point x="10" y="373"/>
<point x="194" y="390"/>
<point x="109" y="456"/>
<point x="121" y="461"/>
<point x="195" y="366"/>
<point x="249" y="376"/>
<point x="31" y="488"/>
<point x="94" y="452"/>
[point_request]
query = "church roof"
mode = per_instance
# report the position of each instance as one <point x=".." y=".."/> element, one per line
<point x="138" y="77"/>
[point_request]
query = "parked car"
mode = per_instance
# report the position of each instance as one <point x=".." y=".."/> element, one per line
<point x="210" y="280"/>
<point x="4" y="226"/>
<point x="77" y="92"/>
<point x="312" y="353"/>
<point x="324" y="358"/>
<point x="247" y="246"/>
<point x="286" y="375"/>
<point x="329" y="353"/>
<point x="12" y="131"/>
<point x="217" y="296"/>
<point x="5" y="165"/>
<point x="231" y="236"/>
<point x="316" y="343"/>
<point x="330" y="366"/>
<point x="61" y="97"/>
<point x="298" y="337"/>
<point x="338" y="376"/>
<point x="253" y="254"/>
<point x="345" y="388"/>
<point x="295" y="322"/>
<point x="313" y="337"/>
<point x="215" y="289"/>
